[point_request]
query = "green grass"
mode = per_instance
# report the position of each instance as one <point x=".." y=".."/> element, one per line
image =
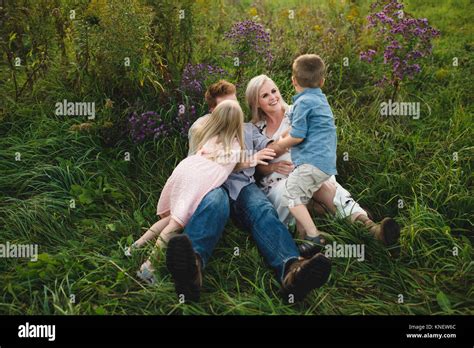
<point x="389" y="159"/>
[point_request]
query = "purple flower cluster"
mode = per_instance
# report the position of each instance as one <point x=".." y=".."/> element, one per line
<point x="148" y="124"/>
<point x="196" y="77"/>
<point x="183" y="121"/>
<point x="405" y="40"/>
<point x="251" y="42"/>
<point x="368" y="56"/>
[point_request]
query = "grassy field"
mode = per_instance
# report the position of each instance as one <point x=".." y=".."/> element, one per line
<point x="81" y="268"/>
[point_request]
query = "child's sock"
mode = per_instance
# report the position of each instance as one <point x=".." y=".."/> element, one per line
<point x="128" y="250"/>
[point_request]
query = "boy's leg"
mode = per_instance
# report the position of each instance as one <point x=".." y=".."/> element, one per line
<point x="301" y="214"/>
<point x="300" y="187"/>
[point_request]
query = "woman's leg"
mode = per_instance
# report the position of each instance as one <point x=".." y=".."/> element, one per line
<point x="323" y="199"/>
<point x="387" y="231"/>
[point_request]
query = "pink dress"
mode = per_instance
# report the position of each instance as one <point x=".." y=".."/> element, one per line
<point x="193" y="178"/>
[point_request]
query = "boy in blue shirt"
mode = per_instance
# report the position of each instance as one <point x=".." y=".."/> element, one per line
<point x="314" y="142"/>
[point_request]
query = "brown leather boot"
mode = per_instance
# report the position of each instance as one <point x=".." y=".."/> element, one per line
<point x="387" y="231"/>
<point x="302" y="276"/>
<point x="185" y="267"/>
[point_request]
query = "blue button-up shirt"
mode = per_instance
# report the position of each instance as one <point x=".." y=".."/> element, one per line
<point x="312" y="119"/>
<point x="254" y="142"/>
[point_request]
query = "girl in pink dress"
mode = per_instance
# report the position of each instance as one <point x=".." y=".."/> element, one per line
<point x="215" y="150"/>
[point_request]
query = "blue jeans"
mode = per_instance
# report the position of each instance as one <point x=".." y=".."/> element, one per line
<point x="253" y="212"/>
<point x="205" y="227"/>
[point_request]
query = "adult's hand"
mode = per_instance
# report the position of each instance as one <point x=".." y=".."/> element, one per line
<point x="263" y="156"/>
<point x="283" y="167"/>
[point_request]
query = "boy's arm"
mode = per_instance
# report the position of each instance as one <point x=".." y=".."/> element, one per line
<point x="298" y="131"/>
<point x="282" y="145"/>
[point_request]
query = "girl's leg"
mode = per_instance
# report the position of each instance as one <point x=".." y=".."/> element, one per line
<point x="153" y="231"/>
<point x="167" y="233"/>
<point x="162" y="240"/>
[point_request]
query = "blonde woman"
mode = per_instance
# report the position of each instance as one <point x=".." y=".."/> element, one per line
<point x="214" y="152"/>
<point x="270" y="114"/>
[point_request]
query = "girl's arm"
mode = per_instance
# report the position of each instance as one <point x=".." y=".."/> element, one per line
<point x="259" y="158"/>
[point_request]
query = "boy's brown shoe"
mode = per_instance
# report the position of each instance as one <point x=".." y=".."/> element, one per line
<point x="302" y="276"/>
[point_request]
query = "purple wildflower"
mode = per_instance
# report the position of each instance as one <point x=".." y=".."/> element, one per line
<point x="196" y="77"/>
<point x="146" y="125"/>
<point x="406" y="40"/>
<point x="251" y="42"/>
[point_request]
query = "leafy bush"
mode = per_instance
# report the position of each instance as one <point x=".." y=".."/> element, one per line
<point x="120" y="47"/>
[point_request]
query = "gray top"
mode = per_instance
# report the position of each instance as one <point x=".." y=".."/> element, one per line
<point x="254" y="142"/>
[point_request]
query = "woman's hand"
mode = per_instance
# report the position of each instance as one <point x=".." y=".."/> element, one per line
<point x="283" y="167"/>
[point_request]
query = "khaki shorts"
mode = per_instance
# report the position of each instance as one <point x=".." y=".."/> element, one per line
<point x="301" y="184"/>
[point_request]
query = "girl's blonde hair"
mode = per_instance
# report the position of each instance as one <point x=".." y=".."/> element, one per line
<point x="226" y="122"/>
<point x="251" y="97"/>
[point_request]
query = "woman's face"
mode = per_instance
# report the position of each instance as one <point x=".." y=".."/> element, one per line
<point x="269" y="98"/>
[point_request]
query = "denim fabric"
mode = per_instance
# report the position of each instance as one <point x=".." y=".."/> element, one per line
<point x="253" y="212"/>
<point x="205" y="227"/>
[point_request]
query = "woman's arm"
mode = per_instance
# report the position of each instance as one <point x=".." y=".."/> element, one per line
<point x="281" y="167"/>
<point x="264" y="170"/>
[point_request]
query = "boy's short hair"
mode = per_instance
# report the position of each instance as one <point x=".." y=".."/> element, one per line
<point x="218" y="89"/>
<point x="309" y="70"/>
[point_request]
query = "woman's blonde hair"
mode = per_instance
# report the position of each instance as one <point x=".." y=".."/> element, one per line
<point x="251" y="97"/>
<point x="226" y="122"/>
